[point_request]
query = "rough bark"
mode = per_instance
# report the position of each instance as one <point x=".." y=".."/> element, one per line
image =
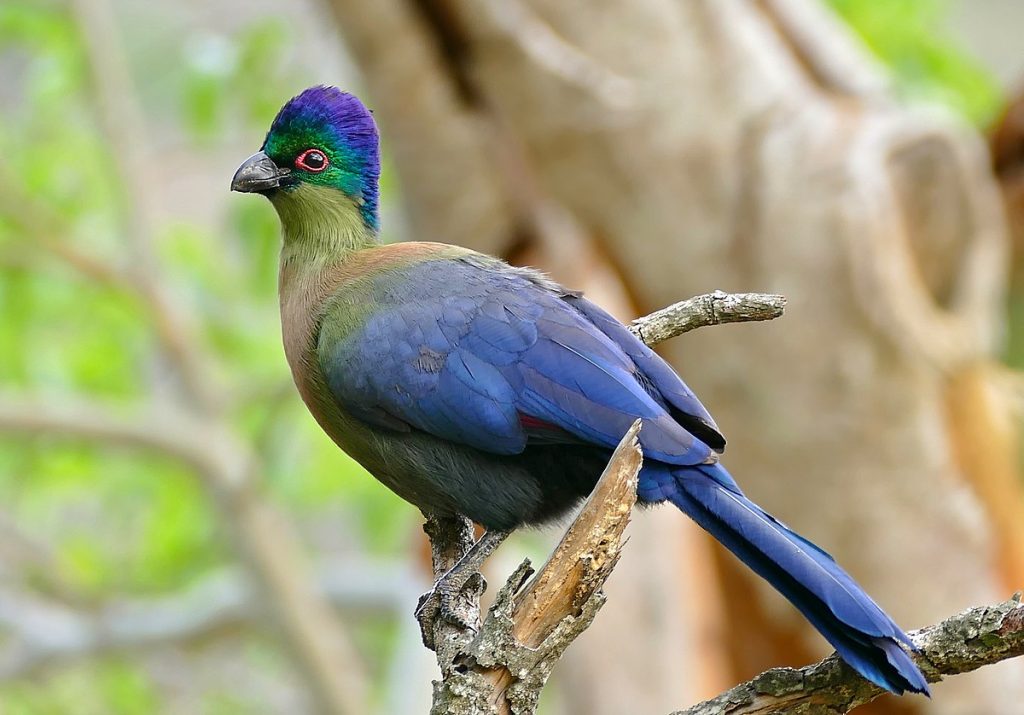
<point x="503" y="667"/>
<point x="754" y="144"/>
<point x="711" y="309"/>
<point x="968" y="641"/>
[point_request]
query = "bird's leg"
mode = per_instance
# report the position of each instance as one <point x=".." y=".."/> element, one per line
<point x="442" y="599"/>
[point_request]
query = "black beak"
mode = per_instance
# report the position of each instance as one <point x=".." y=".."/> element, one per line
<point x="258" y="173"/>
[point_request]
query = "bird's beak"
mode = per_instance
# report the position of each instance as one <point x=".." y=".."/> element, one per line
<point x="258" y="173"/>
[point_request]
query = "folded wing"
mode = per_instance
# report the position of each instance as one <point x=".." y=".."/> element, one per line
<point x="497" y="358"/>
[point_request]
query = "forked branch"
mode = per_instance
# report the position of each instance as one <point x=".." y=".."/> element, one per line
<point x="502" y="667"/>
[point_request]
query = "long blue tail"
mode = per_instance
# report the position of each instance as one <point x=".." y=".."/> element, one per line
<point x="862" y="634"/>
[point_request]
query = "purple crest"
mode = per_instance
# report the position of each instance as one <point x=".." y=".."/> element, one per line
<point x="338" y="121"/>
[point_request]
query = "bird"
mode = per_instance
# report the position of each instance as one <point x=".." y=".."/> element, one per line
<point x="474" y="388"/>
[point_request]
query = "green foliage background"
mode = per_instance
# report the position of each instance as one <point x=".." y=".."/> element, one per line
<point x="112" y="524"/>
<point x="115" y="524"/>
<point x="926" y="63"/>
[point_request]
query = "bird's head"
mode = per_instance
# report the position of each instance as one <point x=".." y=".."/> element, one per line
<point x="319" y="162"/>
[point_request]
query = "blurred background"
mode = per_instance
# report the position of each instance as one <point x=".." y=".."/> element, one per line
<point x="177" y="536"/>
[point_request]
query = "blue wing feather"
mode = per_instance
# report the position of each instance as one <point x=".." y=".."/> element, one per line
<point x="463" y="351"/>
<point x="680" y="399"/>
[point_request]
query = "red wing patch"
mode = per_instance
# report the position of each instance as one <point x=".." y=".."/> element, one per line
<point x="542" y="432"/>
<point x="532" y="423"/>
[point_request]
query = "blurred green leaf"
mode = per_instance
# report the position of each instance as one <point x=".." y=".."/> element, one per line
<point x="908" y="36"/>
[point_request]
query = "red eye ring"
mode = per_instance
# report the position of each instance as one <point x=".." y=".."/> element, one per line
<point x="312" y="160"/>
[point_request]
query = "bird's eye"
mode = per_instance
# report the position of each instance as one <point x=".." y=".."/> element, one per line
<point x="312" y="160"/>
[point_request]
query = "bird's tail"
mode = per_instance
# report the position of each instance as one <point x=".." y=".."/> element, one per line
<point x="860" y="631"/>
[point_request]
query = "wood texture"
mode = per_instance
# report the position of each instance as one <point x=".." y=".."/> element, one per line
<point x="582" y="561"/>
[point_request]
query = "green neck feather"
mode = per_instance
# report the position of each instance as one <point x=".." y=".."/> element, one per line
<point x="320" y="224"/>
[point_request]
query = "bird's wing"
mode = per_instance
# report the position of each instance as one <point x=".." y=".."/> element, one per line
<point x="473" y="351"/>
<point x="682" y="403"/>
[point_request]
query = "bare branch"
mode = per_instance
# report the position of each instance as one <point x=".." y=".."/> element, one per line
<point x="972" y="639"/>
<point x="450" y="539"/>
<point x="568" y="585"/>
<point x="47" y="634"/>
<point x="506" y="664"/>
<point x="708" y="309"/>
<point x="587" y="553"/>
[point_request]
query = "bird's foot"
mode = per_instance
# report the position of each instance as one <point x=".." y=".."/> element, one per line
<point x="454" y="599"/>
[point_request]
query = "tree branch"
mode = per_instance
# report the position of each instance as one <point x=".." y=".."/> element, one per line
<point x="708" y="309"/>
<point x="502" y="666"/>
<point x="45" y="633"/>
<point x="566" y="593"/>
<point x="972" y="639"/>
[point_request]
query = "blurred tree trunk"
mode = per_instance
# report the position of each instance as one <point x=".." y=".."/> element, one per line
<point x="653" y="150"/>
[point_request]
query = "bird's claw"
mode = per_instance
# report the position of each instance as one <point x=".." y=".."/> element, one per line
<point x="453" y="599"/>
